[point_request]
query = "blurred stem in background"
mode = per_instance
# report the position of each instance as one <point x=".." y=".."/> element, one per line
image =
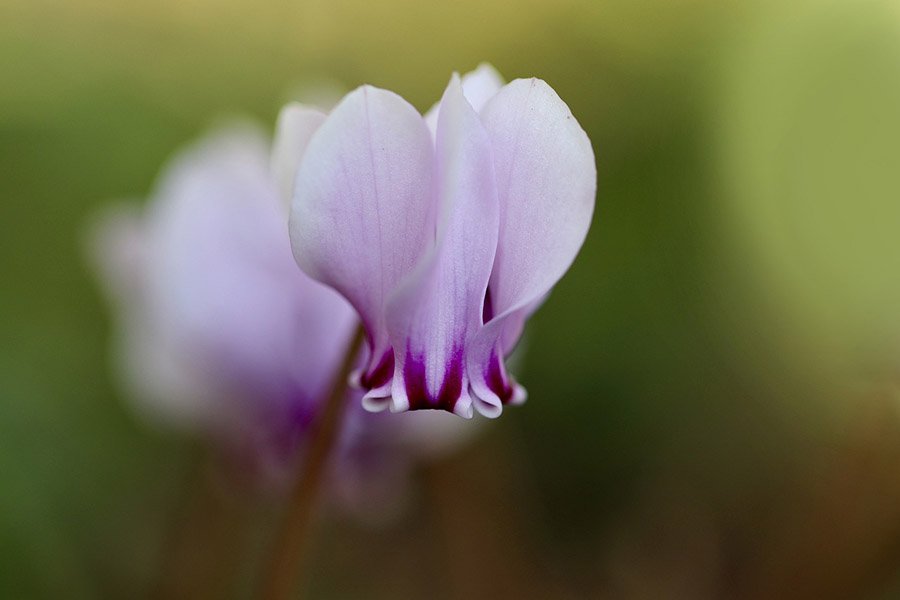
<point x="284" y="570"/>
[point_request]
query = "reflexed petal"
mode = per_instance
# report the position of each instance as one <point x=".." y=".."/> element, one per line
<point x="546" y="182"/>
<point x="478" y="86"/>
<point x="438" y="309"/>
<point x="222" y="287"/>
<point x="296" y="125"/>
<point x="491" y="386"/>
<point x="218" y="330"/>
<point x="515" y="325"/>
<point x="515" y="322"/>
<point x="163" y="390"/>
<point x="362" y="215"/>
<point x="546" y="186"/>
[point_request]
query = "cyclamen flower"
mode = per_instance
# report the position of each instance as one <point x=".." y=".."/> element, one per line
<point x="221" y="334"/>
<point x="444" y="238"/>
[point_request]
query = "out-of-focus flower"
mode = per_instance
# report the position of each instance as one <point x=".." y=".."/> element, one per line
<point x="444" y="232"/>
<point x="220" y="333"/>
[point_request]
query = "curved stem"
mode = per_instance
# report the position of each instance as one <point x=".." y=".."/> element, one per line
<point x="284" y="569"/>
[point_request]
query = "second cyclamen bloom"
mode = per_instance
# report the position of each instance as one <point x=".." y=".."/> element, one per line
<point x="444" y="232"/>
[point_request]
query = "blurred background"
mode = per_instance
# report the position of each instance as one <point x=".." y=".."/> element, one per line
<point x="714" y="386"/>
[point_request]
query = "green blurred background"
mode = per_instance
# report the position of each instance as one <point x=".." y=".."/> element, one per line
<point x="714" y="386"/>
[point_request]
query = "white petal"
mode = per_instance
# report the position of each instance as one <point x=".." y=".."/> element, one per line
<point x="478" y="86"/>
<point x="363" y="214"/>
<point x="439" y="308"/>
<point x="546" y="181"/>
<point x="296" y="125"/>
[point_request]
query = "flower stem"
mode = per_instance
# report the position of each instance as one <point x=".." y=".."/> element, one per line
<point x="285" y="567"/>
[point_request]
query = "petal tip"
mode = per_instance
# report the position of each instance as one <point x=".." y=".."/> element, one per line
<point x="355" y="379"/>
<point x="294" y="108"/>
<point x="487" y="68"/>
<point x="399" y="403"/>
<point x="375" y="404"/>
<point x="519" y="396"/>
<point x="488" y="405"/>
<point x="464" y="408"/>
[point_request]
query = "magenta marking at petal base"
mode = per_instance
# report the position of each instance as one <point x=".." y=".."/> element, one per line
<point x="417" y="388"/>
<point x="381" y="374"/>
<point x="497" y="379"/>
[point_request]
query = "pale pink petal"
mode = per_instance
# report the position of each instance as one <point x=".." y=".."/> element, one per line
<point x="438" y="309"/>
<point x="222" y="289"/>
<point x="296" y="125"/>
<point x="362" y="214"/>
<point x="479" y="86"/>
<point x="546" y="181"/>
<point x="515" y="325"/>
<point x="164" y="389"/>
